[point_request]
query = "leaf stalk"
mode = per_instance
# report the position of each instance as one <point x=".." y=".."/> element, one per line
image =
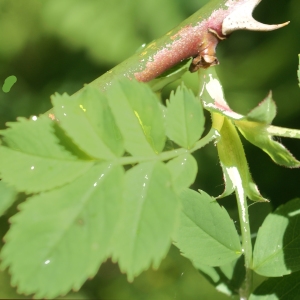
<point x="283" y="132"/>
<point x="167" y="155"/>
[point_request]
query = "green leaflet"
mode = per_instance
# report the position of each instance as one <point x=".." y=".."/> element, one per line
<point x="149" y="215"/>
<point x="184" y="118"/>
<point x="32" y="173"/>
<point x="7" y="197"/>
<point x="35" y="136"/>
<point x="206" y="234"/>
<point x="264" y="113"/>
<point x="282" y="288"/>
<point x="276" y="250"/>
<point x="257" y="134"/>
<point x="88" y="120"/>
<point x="64" y="234"/>
<point x="138" y="116"/>
<point x="32" y="160"/>
<point x="183" y="170"/>
<point x="254" y="127"/>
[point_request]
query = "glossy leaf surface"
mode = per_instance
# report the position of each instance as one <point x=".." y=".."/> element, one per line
<point x="206" y="234"/>
<point x="149" y="215"/>
<point x="64" y="234"/>
<point x="277" y="247"/>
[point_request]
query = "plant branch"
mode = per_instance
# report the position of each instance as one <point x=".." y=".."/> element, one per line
<point x="196" y="37"/>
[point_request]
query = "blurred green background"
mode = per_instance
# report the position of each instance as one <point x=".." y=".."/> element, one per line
<point x="57" y="46"/>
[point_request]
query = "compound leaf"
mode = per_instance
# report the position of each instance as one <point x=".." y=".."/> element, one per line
<point x="185" y="118"/>
<point x="60" y="238"/>
<point x="149" y="215"/>
<point x="277" y="247"/>
<point x="206" y="234"/>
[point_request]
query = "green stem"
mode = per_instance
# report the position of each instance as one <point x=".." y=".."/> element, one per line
<point x="246" y="286"/>
<point x="212" y="135"/>
<point x="284" y="132"/>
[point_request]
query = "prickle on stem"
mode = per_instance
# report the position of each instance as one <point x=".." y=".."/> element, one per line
<point x="241" y="19"/>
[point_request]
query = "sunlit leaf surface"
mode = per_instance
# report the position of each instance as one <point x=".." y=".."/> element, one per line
<point x="7" y="197"/>
<point x="185" y="119"/>
<point x="59" y="238"/>
<point x="149" y="216"/>
<point x="183" y="170"/>
<point x="206" y="235"/>
<point x="138" y="116"/>
<point x="34" y="160"/>
<point x="88" y="120"/>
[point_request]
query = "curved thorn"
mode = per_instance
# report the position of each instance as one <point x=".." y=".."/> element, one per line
<point x="241" y="19"/>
